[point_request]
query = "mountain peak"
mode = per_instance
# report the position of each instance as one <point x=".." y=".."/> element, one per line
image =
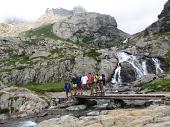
<point x="166" y="10"/>
<point x="64" y="12"/>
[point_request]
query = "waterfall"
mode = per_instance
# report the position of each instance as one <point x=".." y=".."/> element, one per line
<point x="157" y="65"/>
<point x="126" y="40"/>
<point x="144" y="68"/>
<point x="117" y="77"/>
<point x="137" y="63"/>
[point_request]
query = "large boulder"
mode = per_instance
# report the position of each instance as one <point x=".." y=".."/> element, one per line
<point x="20" y="100"/>
<point x="128" y="73"/>
<point x="107" y="67"/>
<point x="108" y="62"/>
<point x="84" y="64"/>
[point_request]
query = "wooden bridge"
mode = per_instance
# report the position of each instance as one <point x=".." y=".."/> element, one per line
<point x="127" y="97"/>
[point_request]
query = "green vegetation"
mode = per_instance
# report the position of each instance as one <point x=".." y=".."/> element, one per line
<point x="43" y="31"/>
<point x="45" y="87"/>
<point x="163" y="33"/>
<point x="161" y="85"/>
<point x="57" y="50"/>
<point x="167" y="72"/>
<point x="1" y="93"/>
<point x="94" y="54"/>
<point x="22" y="59"/>
<point x="5" y="110"/>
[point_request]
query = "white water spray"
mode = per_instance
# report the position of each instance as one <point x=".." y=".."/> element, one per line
<point x="117" y="77"/>
<point x="157" y="65"/>
<point x="145" y="71"/>
<point x="139" y="66"/>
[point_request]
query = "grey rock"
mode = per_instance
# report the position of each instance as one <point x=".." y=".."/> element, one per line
<point x="21" y="100"/>
<point x="40" y="54"/>
<point x="137" y="103"/>
<point x="166" y="10"/>
<point x="93" y="113"/>
<point x="90" y="27"/>
<point x="116" y="103"/>
<point x="107" y="67"/>
<point x="128" y="73"/>
<point x="63" y="121"/>
<point x="76" y="108"/>
<point x="3" y="117"/>
<point x="1" y="85"/>
<point x="161" y="124"/>
<point x="84" y="65"/>
<point x="144" y="79"/>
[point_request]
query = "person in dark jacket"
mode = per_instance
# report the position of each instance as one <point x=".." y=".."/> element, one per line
<point x="67" y="87"/>
<point x="78" y="82"/>
<point x="73" y="80"/>
<point x="104" y="83"/>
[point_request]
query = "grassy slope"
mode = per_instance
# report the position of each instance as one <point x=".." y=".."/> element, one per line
<point x="45" y="87"/>
<point x="161" y="85"/>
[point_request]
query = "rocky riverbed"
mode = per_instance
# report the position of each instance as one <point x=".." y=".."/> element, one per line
<point x="155" y="115"/>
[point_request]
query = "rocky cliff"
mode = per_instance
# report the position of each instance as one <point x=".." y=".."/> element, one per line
<point x="154" y="41"/>
<point x="65" y="44"/>
<point x="94" y="29"/>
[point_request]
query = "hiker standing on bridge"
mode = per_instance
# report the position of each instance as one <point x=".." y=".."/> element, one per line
<point x="102" y="83"/>
<point x="73" y="80"/>
<point x="95" y="82"/>
<point x="90" y="83"/>
<point x="84" y="79"/>
<point x="78" y="82"/>
<point x="67" y="87"/>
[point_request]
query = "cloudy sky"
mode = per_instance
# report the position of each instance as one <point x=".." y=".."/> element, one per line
<point x="132" y="15"/>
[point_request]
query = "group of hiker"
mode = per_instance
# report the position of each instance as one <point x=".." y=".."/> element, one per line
<point x="82" y="83"/>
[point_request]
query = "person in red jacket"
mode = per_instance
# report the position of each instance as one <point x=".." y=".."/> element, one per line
<point x="90" y="82"/>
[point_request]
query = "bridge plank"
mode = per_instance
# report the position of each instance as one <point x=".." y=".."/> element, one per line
<point x="124" y="96"/>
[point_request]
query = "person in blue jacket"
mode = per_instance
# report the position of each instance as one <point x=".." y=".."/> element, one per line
<point x="67" y="87"/>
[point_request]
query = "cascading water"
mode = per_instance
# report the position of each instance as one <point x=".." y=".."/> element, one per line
<point x="145" y="71"/>
<point x="157" y="65"/>
<point x="138" y="64"/>
<point x="117" y="77"/>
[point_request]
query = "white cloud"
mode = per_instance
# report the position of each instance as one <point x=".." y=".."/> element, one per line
<point x="132" y="15"/>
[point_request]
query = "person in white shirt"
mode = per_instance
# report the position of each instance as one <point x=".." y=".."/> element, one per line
<point x="84" y="79"/>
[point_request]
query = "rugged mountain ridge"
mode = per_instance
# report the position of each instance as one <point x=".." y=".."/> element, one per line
<point x="95" y="29"/>
<point x="71" y="45"/>
<point x="48" y="54"/>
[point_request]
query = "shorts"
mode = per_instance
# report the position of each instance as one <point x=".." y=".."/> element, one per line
<point x="74" y="85"/>
<point x="84" y="86"/>
<point x="95" y="84"/>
